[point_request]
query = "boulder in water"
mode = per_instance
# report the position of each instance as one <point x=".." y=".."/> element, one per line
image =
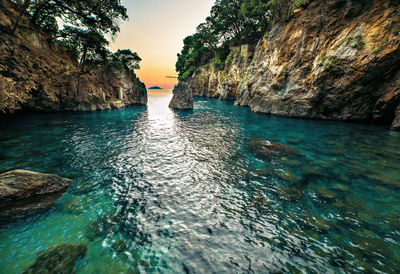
<point x="60" y="259"/>
<point x="266" y="149"/>
<point x="22" y="191"/>
<point x="183" y="98"/>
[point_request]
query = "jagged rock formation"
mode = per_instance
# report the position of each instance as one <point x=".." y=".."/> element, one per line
<point x="183" y="98"/>
<point x="23" y="191"/>
<point x="37" y="74"/>
<point x="337" y="59"/>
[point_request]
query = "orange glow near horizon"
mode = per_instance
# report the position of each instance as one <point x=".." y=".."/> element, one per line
<point x="155" y="30"/>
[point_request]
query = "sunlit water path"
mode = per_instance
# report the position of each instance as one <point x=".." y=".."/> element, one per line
<point x="182" y="191"/>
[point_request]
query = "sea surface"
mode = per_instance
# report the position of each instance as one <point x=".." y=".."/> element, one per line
<point x="157" y="190"/>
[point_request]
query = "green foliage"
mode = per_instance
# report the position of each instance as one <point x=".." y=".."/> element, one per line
<point x="141" y="86"/>
<point x="330" y="63"/>
<point x="102" y="16"/>
<point x="394" y="28"/>
<point x="381" y="46"/>
<point x="85" y="25"/>
<point x="230" y="57"/>
<point x="217" y="63"/>
<point x="128" y="58"/>
<point x="90" y="43"/>
<point x="358" y="42"/>
<point x="231" y="23"/>
<point x="188" y="73"/>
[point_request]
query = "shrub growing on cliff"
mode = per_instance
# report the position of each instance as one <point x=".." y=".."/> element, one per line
<point x="217" y="64"/>
<point x="231" y="23"/>
<point x="85" y="26"/>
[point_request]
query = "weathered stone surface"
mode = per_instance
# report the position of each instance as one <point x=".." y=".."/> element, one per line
<point x="327" y="62"/>
<point x="396" y="121"/>
<point x="37" y="74"/>
<point x="60" y="259"/>
<point x="183" y="97"/>
<point x="23" y="191"/>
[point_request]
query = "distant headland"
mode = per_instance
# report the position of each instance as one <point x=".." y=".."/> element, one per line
<point x="156" y="87"/>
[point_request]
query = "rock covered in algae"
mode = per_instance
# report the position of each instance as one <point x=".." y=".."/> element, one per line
<point x="60" y="259"/>
<point x="267" y="149"/>
<point x="23" y="191"/>
<point x="183" y="97"/>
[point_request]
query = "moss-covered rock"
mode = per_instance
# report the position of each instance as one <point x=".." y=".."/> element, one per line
<point x="60" y="259"/>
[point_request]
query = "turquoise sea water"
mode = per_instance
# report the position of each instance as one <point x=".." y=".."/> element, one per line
<point x="183" y="191"/>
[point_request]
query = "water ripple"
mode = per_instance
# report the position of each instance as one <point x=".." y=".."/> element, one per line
<point x="184" y="192"/>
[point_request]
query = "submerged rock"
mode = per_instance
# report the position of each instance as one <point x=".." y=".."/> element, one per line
<point x="316" y="222"/>
<point x="60" y="259"/>
<point x="267" y="149"/>
<point x="183" y="98"/>
<point x="370" y="247"/>
<point x="291" y="193"/>
<point x="103" y="225"/>
<point x="73" y="206"/>
<point x="119" y="246"/>
<point x="326" y="194"/>
<point x="23" y="191"/>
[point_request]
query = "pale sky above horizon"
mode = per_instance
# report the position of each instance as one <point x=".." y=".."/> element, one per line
<point x="155" y="30"/>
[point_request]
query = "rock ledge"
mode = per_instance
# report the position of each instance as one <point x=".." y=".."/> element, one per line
<point x="22" y="191"/>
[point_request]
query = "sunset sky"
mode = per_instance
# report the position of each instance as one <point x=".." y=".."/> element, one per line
<point x="155" y="30"/>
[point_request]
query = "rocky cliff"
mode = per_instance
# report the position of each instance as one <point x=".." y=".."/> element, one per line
<point x="37" y="74"/>
<point x="336" y="59"/>
<point x="183" y="97"/>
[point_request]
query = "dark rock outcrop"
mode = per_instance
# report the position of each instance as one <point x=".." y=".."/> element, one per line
<point x="60" y="259"/>
<point x="37" y="74"/>
<point x="337" y="59"/>
<point x="183" y="98"/>
<point x="396" y="121"/>
<point x="23" y="191"/>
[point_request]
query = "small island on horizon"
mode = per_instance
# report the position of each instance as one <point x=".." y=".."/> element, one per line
<point x="155" y="87"/>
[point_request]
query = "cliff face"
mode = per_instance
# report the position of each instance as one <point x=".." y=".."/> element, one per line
<point x="37" y="74"/>
<point x="336" y="59"/>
